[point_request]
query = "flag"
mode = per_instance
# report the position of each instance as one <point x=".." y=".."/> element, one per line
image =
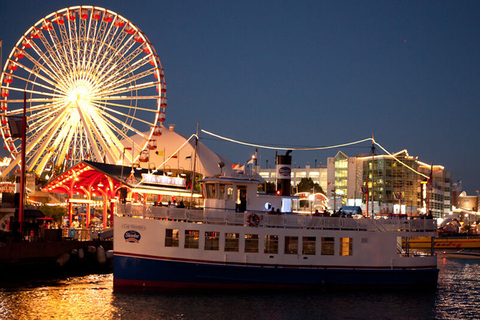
<point x="159" y="153"/>
<point x="175" y="156"/>
<point x="238" y="167"/>
<point x="127" y="148"/>
<point x="250" y="161"/>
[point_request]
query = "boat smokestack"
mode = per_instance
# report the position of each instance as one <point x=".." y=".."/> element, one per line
<point x="284" y="170"/>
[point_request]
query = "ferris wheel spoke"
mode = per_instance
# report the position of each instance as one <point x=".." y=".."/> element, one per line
<point x="62" y="141"/>
<point x="41" y="140"/>
<point x="40" y="119"/>
<point x="116" y="63"/>
<point x="135" y="87"/>
<point x="59" y="50"/>
<point x="48" y="67"/>
<point x="108" y="136"/>
<point x="92" y="132"/>
<point x="34" y="83"/>
<point x="128" y="98"/>
<point x="66" y="145"/>
<point x="127" y="69"/>
<point x="39" y="93"/>
<point x="67" y="46"/>
<point x="105" y="50"/>
<point x="53" y="60"/>
<point x="124" y="114"/>
<point x="126" y="125"/>
<point x="110" y="85"/>
<point x="38" y="75"/>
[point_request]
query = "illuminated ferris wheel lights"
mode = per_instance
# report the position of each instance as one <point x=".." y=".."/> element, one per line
<point x="79" y="95"/>
<point x="86" y="83"/>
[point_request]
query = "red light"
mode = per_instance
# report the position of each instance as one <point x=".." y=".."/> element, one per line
<point x="278" y="192"/>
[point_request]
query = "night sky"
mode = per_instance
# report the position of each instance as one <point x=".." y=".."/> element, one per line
<point x="311" y="73"/>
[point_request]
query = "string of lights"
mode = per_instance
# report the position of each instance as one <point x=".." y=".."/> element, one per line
<point x="314" y="148"/>
<point x="170" y="157"/>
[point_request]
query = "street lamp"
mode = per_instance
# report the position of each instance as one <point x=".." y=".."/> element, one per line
<point x="221" y="164"/>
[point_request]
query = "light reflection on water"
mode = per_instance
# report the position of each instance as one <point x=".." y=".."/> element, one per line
<point x="92" y="297"/>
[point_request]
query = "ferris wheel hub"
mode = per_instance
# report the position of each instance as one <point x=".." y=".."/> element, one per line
<point x="79" y="95"/>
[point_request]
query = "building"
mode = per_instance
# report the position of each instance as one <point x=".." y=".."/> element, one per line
<point x="318" y="174"/>
<point x="437" y="192"/>
<point x="343" y="177"/>
<point x="395" y="184"/>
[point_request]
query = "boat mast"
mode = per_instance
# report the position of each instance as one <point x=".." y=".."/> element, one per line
<point x="373" y="167"/>
<point x="194" y="167"/>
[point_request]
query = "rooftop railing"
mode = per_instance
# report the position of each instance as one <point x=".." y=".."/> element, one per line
<point x="266" y="220"/>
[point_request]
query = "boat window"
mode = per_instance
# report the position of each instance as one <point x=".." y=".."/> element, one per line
<point x="346" y="246"/>
<point x="221" y="191"/>
<point x="271" y="244"/>
<point x="251" y="243"/>
<point x="241" y="198"/>
<point x="211" y="191"/>
<point x="291" y="245"/>
<point x="229" y="193"/>
<point x="192" y="239"/>
<point x="212" y="240"/>
<point x="328" y="246"/>
<point x="308" y="245"/>
<point x="171" y="237"/>
<point x="232" y="242"/>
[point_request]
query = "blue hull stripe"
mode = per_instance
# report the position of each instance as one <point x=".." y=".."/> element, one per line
<point x="136" y="271"/>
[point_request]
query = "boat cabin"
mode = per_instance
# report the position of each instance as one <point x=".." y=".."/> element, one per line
<point x="240" y="194"/>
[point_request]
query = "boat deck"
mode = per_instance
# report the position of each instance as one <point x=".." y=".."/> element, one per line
<point x="266" y="220"/>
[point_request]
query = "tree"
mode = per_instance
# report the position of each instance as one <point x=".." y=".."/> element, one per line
<point x="55" y="212"/>
<point x="307" y="185"/>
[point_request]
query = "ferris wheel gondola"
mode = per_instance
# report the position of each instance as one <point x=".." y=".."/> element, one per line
<point x="92" y="80"/>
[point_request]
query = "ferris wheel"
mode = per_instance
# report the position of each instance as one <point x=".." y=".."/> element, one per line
<point x="92" y="80"/>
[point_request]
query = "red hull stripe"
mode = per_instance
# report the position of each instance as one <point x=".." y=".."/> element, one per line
<point x="144" y="256"/>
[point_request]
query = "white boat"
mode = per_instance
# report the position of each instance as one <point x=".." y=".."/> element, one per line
<point x="463" y="254"/>
<point x="235" y="242"/>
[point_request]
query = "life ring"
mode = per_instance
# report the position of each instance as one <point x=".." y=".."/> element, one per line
<point x="253" y="220"/>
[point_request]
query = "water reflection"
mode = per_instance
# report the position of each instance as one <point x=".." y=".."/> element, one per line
<point x="73" y="298"/>
<point x="457" y="296"/>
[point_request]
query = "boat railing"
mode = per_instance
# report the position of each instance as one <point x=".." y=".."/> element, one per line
<point x="266" y="220"/>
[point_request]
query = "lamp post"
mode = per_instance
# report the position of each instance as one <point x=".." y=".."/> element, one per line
<point x="221" y="164"/>
<point x="20" y="131"/>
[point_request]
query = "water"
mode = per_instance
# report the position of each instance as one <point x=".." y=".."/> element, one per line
<point x="91" y="297"/>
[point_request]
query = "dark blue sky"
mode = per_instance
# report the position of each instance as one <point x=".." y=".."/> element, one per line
<point x="312" y="73"/>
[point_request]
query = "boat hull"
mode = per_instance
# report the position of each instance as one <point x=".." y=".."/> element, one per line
<point x="148" y="273"/>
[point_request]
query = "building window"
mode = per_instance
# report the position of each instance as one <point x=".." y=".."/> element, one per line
<point x="171" y="237"/>
<point x="212" y="240"/>
<point x="308" y="245"/>
<point x="231" y="242"/>
<point x="251" y="243"/>
<point x="328" y="246"/>
<point x="346" y="246"/>
<point x="192" y="239"/>
<point x="271" y="244"/>
<point x="291" y="245"/>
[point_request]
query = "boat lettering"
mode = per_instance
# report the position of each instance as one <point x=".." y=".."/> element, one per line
<point x="132" y="236"/>
<point x="284" y="171"/>
<point x="134" y="226"/>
